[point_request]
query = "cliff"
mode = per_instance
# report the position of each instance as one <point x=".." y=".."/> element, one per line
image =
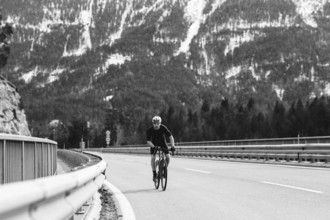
<point x="12" y="118"/>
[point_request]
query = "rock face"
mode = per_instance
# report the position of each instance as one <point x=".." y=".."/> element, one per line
<point x="12" y="118"/>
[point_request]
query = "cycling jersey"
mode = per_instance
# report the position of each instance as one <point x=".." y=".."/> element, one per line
<point x="158" y="137"/>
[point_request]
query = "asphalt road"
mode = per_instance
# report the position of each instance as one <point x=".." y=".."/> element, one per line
<point x="208" y="189"/>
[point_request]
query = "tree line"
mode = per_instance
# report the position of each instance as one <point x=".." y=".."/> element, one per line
<point x="225" y="121"/>
<point x="229" y="121"/>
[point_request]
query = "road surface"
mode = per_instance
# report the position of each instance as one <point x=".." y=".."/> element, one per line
<point x="209" y="189"/>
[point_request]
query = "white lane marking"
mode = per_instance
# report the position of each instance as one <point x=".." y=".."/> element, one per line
<point x="293" y="187"/>
<point x="200" y="171"/>
<point x="125" y="207"/>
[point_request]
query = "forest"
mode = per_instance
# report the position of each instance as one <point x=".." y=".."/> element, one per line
<point x="226" y="121"/>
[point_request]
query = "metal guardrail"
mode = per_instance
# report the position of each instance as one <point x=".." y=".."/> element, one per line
<point x="25" y="158"/>
<point x="55" y="197"/>
<point x="268" y="141"/>
<point x="281" y="152"/>
<point x="73" y="159"/>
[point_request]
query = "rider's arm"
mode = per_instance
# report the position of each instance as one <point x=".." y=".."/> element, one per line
<point x="150" y="144"/>
<point x="172" y="140"/>
<point x="148" y="138"/>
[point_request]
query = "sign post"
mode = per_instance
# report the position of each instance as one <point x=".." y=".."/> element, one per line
<point x="82" y="144"/>
<point x="107" y="137"/>
<point x="88" y="125"/>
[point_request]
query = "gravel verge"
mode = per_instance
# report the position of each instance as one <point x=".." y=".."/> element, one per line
<point x="109" y="210"/>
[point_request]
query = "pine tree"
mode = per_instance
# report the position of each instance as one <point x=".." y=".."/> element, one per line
<point x="6" y="31"/>
<point x="279" y="120"/>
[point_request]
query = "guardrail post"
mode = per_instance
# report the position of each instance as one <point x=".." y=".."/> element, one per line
<point x="35" y="160"/>
<point x="42" y="169"/>
<point x="23" y="160"/>
<point x="4" y="162"/>
<point x="51" y="159"/>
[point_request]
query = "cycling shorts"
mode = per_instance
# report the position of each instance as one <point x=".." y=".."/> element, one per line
<point x="164" y="149"/>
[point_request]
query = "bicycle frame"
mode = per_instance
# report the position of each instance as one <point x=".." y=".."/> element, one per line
<point x="161" y="168"/>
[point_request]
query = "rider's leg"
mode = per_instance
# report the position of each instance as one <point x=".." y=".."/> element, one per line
<point x="168" y="158"/>
<point x="153" y="163"/>
<point x="153" y="167"/>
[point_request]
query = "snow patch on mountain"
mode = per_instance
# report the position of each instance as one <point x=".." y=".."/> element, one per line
<point x="238" y="40"/>
<point x="124" y="16"/>
<point x="55" y="74"/>
<point x="307" y="8"/>
<point x="279" y="91"/>
<point x="327" y="89"/>
<point x="234" y="71"/>
<point x="108" y="98"/>
<point x="51" y="17"/>
<point x="27" y="77"/>
<point x="101" y="5"/>
<point x="114" y="59"/>
<point x="85" y="42"/>
<point x="194" y="15"/>
<point x="12" y="20"/>
<point x="117" y="59"/>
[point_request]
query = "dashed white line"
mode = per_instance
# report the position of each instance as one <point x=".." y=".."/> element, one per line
<point x="200" y="171"/>
<point x="293" y="187"/>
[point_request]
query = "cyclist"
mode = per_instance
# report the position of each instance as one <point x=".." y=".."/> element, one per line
<point x="156" y="136"/>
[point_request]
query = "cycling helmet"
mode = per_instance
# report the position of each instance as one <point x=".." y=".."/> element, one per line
<point x="156" y="119"/>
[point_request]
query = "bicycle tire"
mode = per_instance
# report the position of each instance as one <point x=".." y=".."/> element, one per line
<point x="164" y="175"/>
<point x="156" y="183"/>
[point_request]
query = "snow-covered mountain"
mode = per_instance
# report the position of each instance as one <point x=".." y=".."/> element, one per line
<point x="116" y="49"/>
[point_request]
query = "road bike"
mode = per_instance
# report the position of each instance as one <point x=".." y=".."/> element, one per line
<point x="161" y="168"/>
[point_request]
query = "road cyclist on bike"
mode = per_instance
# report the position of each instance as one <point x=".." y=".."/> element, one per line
<point x="156" y="136"/>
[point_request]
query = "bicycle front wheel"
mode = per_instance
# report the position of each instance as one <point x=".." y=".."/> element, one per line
<point x="164" y="174"/>
<point x="156" y="181"/>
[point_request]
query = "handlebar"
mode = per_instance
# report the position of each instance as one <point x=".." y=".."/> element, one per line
<point x="157" y="148"/>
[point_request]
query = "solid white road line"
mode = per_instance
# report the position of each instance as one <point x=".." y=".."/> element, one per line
<point x="125" y="207"/>
<point x="293" y="187"/>
<point x="200" y="171"/>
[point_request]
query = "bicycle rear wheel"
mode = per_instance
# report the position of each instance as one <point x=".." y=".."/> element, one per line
<point x="163" y="176"/>
<point x="156" y="182"/>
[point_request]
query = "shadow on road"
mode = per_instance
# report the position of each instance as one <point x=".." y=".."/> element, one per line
<point x="149" y="190"/>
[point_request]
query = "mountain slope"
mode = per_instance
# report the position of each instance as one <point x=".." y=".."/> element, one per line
<point x="147" y="56"/>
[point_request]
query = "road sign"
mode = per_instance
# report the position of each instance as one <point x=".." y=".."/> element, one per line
<point x="107" y="137"/>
